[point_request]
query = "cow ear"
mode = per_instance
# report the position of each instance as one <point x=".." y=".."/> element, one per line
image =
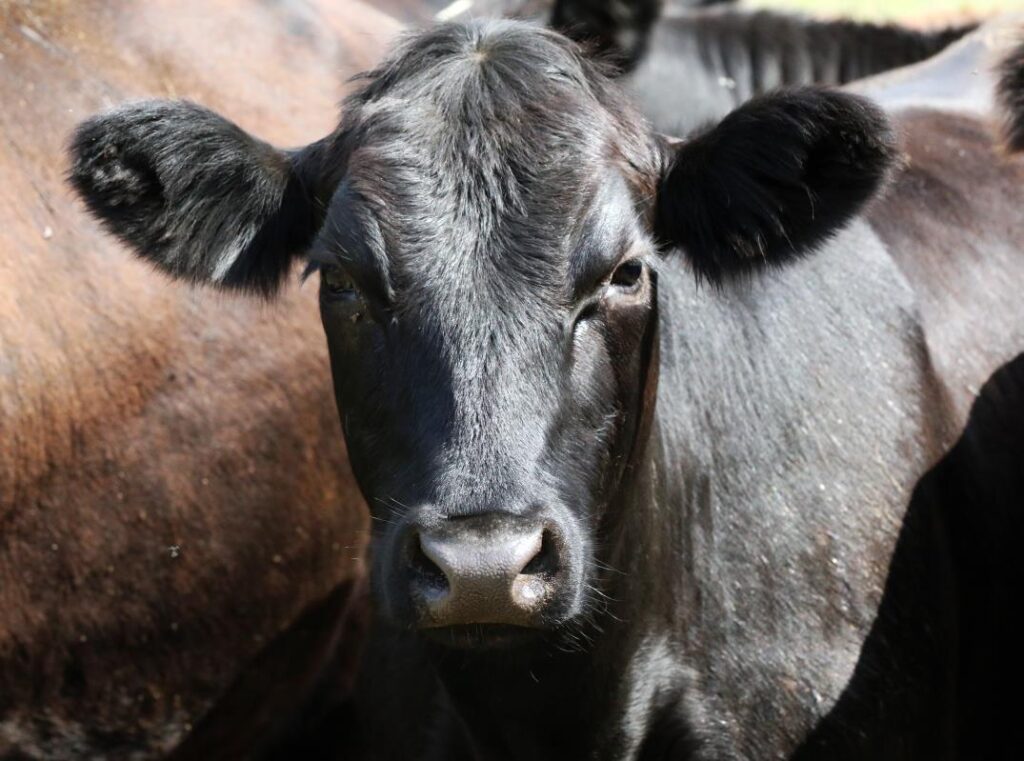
<point x="773" y="180"/>
<point x="616" y="30"/>
<point x="196" y="195"/>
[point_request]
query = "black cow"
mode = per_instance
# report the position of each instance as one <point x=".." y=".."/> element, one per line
<point x="699" y="67"/>
<point x="639" y="420"/>
<point x="618" y="30"/>
<point x="685" y="69"/>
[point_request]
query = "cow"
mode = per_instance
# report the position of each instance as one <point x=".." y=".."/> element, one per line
<point x="711" y="51"/>
<point x="660" y="436"/>
<point x="619" y="32"/>
<point x="145" y="417"/>
<point x="180" y="534"/>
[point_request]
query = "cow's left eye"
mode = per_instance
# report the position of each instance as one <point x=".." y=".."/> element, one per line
<point x="339" y="285"/>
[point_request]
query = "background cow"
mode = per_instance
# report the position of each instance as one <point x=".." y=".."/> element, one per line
<point x="173" y="492"/>
<point x="734" y="53"/>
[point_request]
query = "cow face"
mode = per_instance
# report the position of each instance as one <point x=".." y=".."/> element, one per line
<point x="491" y="376"/>
<point x="487" y="222"/>
<point x="487" y="292"/>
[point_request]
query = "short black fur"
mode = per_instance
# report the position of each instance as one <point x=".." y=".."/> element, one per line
<point x="720" y="474"/>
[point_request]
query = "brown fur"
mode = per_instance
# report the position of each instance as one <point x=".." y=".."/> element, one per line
<point x="174" y="492"/>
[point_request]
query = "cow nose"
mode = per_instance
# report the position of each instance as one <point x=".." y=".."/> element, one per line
<point x="483" y="572"/>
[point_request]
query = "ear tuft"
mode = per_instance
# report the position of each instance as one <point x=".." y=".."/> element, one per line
<point x="192" y="193"/>
<point x="776" y="178"/>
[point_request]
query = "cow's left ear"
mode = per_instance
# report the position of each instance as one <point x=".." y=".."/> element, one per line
<point x="772" y="180"/>
<point x="196" y="195"/>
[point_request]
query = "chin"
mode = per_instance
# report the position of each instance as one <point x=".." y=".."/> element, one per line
<point x="482" y="637"/>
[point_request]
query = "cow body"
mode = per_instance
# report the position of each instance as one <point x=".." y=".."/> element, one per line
<point x="698" y="66"/>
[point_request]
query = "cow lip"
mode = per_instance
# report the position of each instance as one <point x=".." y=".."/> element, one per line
<point x="480" y="636"/>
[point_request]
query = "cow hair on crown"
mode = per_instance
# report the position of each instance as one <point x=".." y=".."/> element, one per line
<point x="202" y="200"/>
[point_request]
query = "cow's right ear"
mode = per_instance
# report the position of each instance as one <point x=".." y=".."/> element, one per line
<point x="196" y="195"/>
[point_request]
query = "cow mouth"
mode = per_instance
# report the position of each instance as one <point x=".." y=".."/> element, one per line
<point x="481" y="636"/>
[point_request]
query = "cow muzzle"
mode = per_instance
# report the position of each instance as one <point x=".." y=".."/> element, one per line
<point x="488" y="570"/>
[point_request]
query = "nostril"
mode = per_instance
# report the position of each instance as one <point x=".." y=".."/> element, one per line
<point x="425" y="570"/>
<point x="545" y="563"/>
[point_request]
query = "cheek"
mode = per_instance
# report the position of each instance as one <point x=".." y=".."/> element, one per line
<point x="601" y="399"/>
<point x="356" y="383"/>
<point x="392" y="409"/>
<point x="353" y="340"/>
<point x="616" y="365"/>
<point x="591" y="367"/>
<point x="592" y="414"/>
<point x="336" y="324"/>
<point x="341" y="352"/>
<point x="627" y="325"/>
<point x="607" y="357"/>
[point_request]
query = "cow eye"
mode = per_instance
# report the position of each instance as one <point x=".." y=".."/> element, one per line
<point x="627" y="275"/>
<point x="338" y="284"/>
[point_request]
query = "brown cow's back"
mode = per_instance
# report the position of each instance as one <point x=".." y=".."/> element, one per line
<point x="173" y="488"/>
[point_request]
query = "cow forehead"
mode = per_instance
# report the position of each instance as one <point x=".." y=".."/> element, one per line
<point x="487" y="93"/>
<point x="481" y="163"/>
<point x="506" y="264"/>
<point x="515" y="58"/>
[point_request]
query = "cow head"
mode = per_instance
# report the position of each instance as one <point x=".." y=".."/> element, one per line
<point x="487" y="222"/>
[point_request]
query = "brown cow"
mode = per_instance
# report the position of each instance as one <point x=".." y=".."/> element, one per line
<point x="173" y="491"/>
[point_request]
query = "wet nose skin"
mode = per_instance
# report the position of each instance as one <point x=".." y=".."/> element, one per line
<point x="479" y="575"/>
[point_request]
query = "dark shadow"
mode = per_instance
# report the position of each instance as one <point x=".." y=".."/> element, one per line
<point x="283" y="704"/>
<point x="938" y="674"/>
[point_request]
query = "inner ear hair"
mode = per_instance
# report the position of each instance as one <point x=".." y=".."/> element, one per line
<point x="773" y="180"/>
